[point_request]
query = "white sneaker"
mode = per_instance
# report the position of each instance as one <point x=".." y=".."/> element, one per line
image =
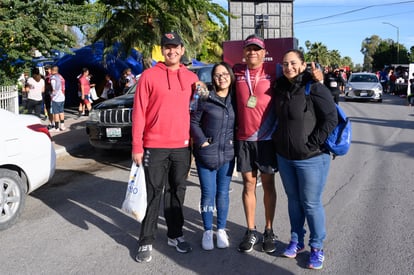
<point x="222" y="239"/>
<point x="207" y="242"/>
<point x="62" y="127"/>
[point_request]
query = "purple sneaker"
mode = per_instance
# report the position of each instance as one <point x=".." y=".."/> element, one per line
<point x="293" y="249"/>
<point x="316" y="259"/>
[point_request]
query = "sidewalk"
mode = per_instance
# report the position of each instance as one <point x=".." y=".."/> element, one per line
<point x="74" y="137"/>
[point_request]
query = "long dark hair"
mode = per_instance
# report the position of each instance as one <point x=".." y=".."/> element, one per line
<point x="229" y="70"/>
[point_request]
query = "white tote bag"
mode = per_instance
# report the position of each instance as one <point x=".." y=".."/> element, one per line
<point x="93" y="94"/>
<point x="135" y="202"/>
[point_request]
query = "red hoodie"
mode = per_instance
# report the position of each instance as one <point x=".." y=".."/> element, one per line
<point x="161" y="114"/>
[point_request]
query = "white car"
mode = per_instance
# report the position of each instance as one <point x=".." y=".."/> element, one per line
<point x="27" y="161"/>
<point x="363" y="86"/>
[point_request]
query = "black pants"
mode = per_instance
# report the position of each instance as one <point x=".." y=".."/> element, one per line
<point x="165" y="169"/>
<point x="34" y="105"/>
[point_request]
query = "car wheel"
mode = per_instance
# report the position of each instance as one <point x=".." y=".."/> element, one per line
<point x="380" y="100"/>
<point x="12" y="197"/>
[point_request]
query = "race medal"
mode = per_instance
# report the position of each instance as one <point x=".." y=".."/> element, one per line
<point x="251" y="103"/>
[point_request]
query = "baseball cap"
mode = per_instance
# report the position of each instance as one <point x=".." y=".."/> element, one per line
<point x="254" y="40"/>
<point x="171" y="38"/>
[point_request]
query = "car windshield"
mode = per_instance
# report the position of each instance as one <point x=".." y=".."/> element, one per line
<point x="364" y="78"/>
<point x="203" y="73"/>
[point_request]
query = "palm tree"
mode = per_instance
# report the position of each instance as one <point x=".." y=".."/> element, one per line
<point x="140" y="24"/>
<point x="334" y="58"/>
<point x="319" y="53"/>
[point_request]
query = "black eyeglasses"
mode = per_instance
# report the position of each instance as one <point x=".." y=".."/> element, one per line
<point x="218" y="76"/>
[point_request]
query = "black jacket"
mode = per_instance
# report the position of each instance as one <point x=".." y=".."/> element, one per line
<point x="213" y="121"/>
<point x="304" y="122"/>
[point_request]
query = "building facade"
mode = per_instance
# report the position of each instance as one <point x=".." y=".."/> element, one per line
<point x="269" y="19"/>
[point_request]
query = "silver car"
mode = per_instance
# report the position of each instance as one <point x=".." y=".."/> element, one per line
<point x="363" y="86"/>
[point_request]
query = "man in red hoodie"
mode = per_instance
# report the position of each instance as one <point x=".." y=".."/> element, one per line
<point x="161" y="142"/>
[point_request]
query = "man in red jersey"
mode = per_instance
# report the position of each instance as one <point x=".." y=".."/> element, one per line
<point x="161" y="142"/>
<point x="255" y="152"/>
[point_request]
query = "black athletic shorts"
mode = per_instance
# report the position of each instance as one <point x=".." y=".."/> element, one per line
<point x="256" y="155"/>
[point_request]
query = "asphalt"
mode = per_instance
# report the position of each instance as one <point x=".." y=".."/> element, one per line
<point x="73" y="137"/>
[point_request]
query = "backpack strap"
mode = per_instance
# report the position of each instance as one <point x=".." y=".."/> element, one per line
<point x="307" y="88"/>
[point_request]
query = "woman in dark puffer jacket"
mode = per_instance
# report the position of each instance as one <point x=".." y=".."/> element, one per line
<point x="212" y="131"/>
<point x="304" y="122"/>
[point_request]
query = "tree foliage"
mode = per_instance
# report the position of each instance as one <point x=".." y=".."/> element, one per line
<point x="43" y="26"/>
<point x="382" y="52"/>
<point x="318" y="52"/>
<point x="140" y="24"/>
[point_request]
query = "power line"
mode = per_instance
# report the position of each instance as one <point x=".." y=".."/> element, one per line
<point x="352" y="11"/>
<point x="358" y="20"/>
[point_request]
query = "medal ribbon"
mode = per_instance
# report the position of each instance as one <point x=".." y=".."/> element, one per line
<point x="248" y="81"/>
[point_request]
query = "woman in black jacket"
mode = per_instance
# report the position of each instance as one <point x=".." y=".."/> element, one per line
<point x="304" y="122"/>
<point x="212" y="131"/>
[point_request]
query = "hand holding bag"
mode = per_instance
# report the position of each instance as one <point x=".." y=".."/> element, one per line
<point x="135" y="202"/>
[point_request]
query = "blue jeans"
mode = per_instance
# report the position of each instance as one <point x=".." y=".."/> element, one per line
<point x="215" y="193"/>
<point x="304" y="181"/>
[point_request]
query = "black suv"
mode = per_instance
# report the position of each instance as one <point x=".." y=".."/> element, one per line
<point x="110" y="122"/>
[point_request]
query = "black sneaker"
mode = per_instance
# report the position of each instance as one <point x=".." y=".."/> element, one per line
<point x="144" y="253"/>
<point x="249" y="240"/>
<point x="269" y="239"/>
<point x="180" y="245"/>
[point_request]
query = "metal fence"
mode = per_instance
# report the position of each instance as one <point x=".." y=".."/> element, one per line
<point x="9" y="98"/>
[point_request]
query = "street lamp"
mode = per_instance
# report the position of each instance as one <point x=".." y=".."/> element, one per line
<point x="398" y="40"/>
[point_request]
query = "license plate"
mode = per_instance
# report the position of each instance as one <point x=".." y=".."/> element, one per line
<point x="363" y="94"/>
<point x="113" y="132"/>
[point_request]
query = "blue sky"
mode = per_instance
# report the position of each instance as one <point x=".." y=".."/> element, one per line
<point x="343" y="24"/>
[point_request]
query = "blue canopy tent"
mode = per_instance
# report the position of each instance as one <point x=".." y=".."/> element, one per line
<point x="91" y="57"/>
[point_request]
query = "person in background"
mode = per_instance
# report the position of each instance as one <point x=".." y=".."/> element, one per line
<point x="35" y="87"/>
<point x="212" y="132"/>
<point x="85" y="86"/>
<point x="47" y="97"/>
<point x="22" y="83"/>
<point x="392" y="79"/>
<point x="384" y="79"/>
<point x="161" y="143"/>
<point x="58" y="99"/>
<point x="108" y="90"/>
<point x="127" y="80"/>
<point x="303" y="161"/>
<point x="331" y="81"/>
<point x="410" y="97"/>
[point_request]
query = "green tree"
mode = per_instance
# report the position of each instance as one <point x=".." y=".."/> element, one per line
<point x="140" y="24"/>
<point x="334" y="59"/>
<point x="386" y="54"/>
<point x="28" y="27"/>
<point x="411" y="55"/>
<point x="317" y="52"/>
<point x="347" y="61"/>
<point x="368" y="48"/>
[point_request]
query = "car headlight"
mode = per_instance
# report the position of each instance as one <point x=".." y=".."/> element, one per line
<point x="94" y="115"/>
<point x="378" y="90"/>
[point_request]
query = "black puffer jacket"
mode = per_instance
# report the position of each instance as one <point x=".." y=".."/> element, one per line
<point x="303" y="123"/>
<point x="214" y="122"/>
